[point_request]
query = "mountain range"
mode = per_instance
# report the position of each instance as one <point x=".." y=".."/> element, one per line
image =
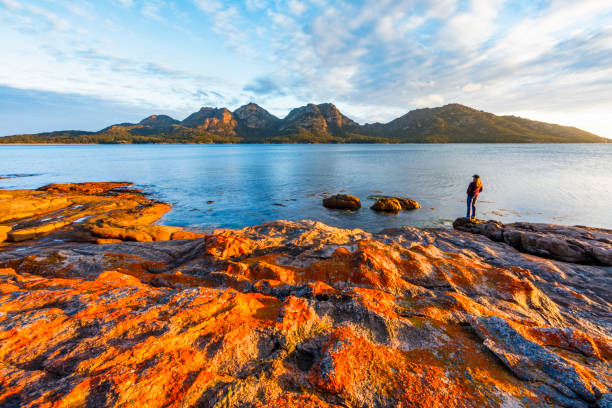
<point x="323" y="123"/>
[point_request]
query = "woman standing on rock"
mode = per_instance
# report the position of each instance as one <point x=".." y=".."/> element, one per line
<point x="473" y="190"/>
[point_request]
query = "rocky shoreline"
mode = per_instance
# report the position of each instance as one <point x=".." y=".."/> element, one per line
<point x="101" y="307"/>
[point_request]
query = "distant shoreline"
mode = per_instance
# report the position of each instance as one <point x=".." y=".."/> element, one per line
<point x="305" y="144"/>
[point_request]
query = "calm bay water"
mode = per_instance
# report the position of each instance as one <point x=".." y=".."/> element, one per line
<point x="251" y="184"/>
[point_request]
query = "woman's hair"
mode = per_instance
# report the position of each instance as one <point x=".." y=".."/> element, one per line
<point x="478" y="182"/>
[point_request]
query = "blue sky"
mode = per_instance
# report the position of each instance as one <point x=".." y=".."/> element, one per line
<point x="87" y="64"/>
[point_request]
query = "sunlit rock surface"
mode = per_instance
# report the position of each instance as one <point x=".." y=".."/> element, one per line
<point x="289" y="314"/>
<point x="100" y="212"/>
<point x="342" y="202"/>
<point x="394" y="204"/>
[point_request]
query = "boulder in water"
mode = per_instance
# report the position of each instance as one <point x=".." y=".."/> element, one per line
<point x="408" y="204"/>
<point x="387" y="205"/>
<point x="342" y="201"/>
<point x="394" y="204"/>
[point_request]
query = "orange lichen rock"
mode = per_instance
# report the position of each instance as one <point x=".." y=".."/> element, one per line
<point x="369" y="374"/>
<point x="570" y="339"/>
<point x="296" y="401"/>
<point x="228" y="246"/>
<point x="95" y="212"/>
<point x="287" y="314"/>
<point x="4" y="229"/>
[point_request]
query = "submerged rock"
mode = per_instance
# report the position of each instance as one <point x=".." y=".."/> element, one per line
<point x="342" y="201"/>
<point x="576" y="244"/>
<point x="298" y="314"/>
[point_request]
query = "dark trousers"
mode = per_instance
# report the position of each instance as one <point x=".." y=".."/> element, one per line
<point x="471" y="206"/>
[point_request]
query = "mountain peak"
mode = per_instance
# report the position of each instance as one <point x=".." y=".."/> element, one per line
<point x="457" y="107"/>
<point x="158" y="121"/>
<point x="321" y="119"/>
<point x="250" y="106"/>
<point x="327" y="105"/>
<point x="334" y="117"/>
<point x="216" y="120"/>
<point x="210" y="109"/>
<point x="253" y="116"/>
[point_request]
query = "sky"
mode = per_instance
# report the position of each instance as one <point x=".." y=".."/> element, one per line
<point x="90" y="63"/>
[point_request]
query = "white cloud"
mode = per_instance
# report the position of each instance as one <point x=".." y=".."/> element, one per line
<point x="428" y="101"/>
<point x="28" y="17"/>
<point x="11" y="4"/>
<point x="281" y="19"/>
<point x="386" y="27"/>
<point x="152" y="8"/>
<point x="471" y="87"/>
<point x="255" y="4"/>
<point x="209" y="6"/>
<point x="92" y="73"/>
<point x="82" y="9"/>
<point x="441" y="9"/>
<point x="469" y="30"/>
<point x="125" y="3"/>
<point x="297" y="7"/>
<point x="228" y="23"/>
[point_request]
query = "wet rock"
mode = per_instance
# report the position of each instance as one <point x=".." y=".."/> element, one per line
<point x="84" y="188"/>
<point x="394" y="204"/>
<point x="387" y="205"/>
<point x="407" y="203"/>
<point x="342" y="201"/>
<point x="564" y="243"/>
